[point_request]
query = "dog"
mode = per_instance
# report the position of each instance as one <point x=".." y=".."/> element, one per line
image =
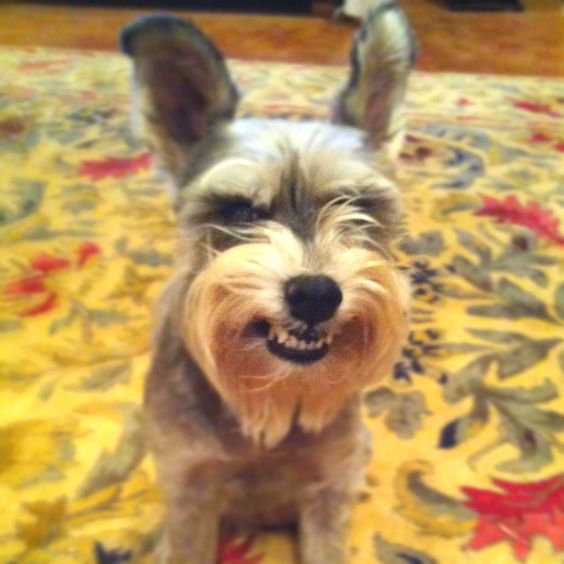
<point x="285" y="302"/>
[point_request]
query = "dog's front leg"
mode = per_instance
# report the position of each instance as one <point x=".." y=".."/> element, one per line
<point x="324" y="519"/>
<point x="193" y="508"/>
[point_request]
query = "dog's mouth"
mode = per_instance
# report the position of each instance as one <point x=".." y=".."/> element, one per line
<point x="301" y="347"/>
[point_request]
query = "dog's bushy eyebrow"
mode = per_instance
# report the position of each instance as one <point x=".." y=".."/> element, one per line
<point x="217" y="198"/>
<point x="365" y="197"/>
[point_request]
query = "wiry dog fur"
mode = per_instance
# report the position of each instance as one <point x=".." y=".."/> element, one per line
<point x="253" y="410"/>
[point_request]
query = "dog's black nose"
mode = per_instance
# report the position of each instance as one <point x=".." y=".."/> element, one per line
<point x="312" y="299"/>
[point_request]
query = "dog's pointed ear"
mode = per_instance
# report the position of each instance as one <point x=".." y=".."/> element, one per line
<point x="382" y="56"/>
<point x="181" y="87"/>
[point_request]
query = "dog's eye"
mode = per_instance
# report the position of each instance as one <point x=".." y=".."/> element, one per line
<point x="239" y="211"/>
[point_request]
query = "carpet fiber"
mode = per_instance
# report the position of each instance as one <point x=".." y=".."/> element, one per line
<point x="468" y="461"/>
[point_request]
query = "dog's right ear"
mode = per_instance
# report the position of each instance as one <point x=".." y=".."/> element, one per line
<point x="382" y="56"/>
<point x="181" y="87"/>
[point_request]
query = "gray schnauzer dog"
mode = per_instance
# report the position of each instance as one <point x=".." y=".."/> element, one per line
<point x="285" y="302"/>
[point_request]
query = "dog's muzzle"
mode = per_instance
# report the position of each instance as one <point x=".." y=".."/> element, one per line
<point x="311" y="300"/>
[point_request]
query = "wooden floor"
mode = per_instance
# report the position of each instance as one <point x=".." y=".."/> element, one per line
<point x="530" y="43"/>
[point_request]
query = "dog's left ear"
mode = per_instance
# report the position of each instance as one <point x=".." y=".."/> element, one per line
<point x="181" y="87"/>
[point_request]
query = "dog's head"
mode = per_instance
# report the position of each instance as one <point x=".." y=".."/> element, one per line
<point x="286" y="292"/>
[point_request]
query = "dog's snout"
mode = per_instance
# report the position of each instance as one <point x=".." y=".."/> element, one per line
<point x="312" y="299"/>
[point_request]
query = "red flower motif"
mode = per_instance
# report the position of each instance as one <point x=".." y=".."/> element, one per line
<point x="114" y="167"/>
<point x="536" y="108"/>
<point x="518" y="513"/>
<point x="532" y="216"/>
<point x="46" y="305"/>
<point x="233" y="552"/>
<point x="86" y="251"/>
<point x="43" y="265"/>
<point x="538" y="138"/>
<point x="26" y="286"/>
<point x="464" y="102"/>
<point x="46" y="263"/>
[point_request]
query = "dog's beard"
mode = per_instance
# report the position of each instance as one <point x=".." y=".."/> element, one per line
<point x="242" y="286"/>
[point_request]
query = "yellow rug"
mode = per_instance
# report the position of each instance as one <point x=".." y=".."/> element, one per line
<point x="468" y="456"/>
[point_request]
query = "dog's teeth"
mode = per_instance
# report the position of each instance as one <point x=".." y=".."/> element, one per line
<point x="292" y="342"/>
<point x="282" y="335"/>
<point x="271" y="333"/>
<point x="329" y="339"/>
<point x="302" y="345"/>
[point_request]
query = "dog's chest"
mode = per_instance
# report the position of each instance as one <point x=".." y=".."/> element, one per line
<point x="268" y="487"/>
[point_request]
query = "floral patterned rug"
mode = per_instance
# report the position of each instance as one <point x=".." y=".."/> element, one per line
<point x="468" y="463"/>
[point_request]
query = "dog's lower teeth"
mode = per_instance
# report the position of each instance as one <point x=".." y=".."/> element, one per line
<point x="283" y="336"/>
<point x="292" y="342"/>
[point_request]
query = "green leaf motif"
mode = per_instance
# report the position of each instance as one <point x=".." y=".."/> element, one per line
<point x="468" y="379"/>
<point x="475" y="246"/>
<point x="10" y="325"/>
<point x="377" y="401"/>
<point x="523" y="301"/>
<point x="114" y="467"/>
<point x="463" y="428"/>
<point x="516" y="304"/>
<point x="405" y="410"/>
<point x="524" y="424"/>
<point x="78" y="206"/>
<point x="463" y="348"/>
<point x="20" y="200"/>
<point x="429" y="244"/>
<point x="544" y="392"/>
<point x="105" y="317"/>
<point x="478" y="277"/>
<point x="62" y="322"/>
<point x="537" y="276"/>
<point x="523" y="357"/>
<point x="535" y="451"/>
<point x="105" y="377"/>
<point x="502" y="337"/>
<point x="150" y="257"/>
<point x="433" y="511"/>
<point x="389" y="553"/>
<point x="559" y="301"/>
<point x="531" y="429"/>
